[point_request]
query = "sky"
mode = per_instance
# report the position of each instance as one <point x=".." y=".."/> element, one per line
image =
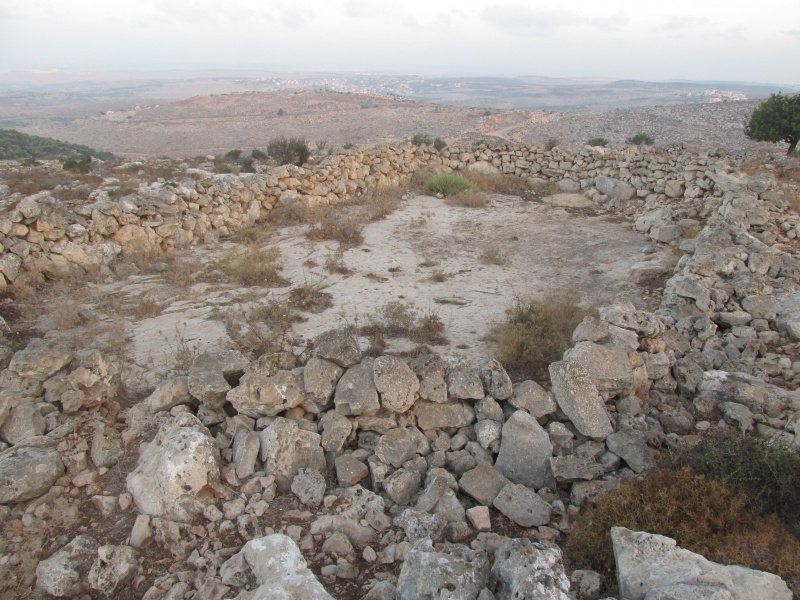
<point x="722" y="40"/>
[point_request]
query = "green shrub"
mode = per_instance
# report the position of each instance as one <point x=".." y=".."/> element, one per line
<point x="767" y="471"/>
<point x="641" y="139"/>
<point x="281" y="112"/>
<point x="447" y="184"/>
<point x="288" y="150"/>
<point x="536" y="333"/>
<point x="598" y="141"/>
<point x="551" y="143"/>
<point x="233" y="154"/>
<point x="80" y="165"/>
<point x="422" y="139"/>
<point x="700" y="514"/>
<point x="246" y="166"/>
<point x="257" y="154"/>
<point x="348" y="145"/>
<point x="439" y="144"/>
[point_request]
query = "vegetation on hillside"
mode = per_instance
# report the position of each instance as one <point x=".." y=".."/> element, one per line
<point x="15" y="145"/>
<point x="777" y="119"/>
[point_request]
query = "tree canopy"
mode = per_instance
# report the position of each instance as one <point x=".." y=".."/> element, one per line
<point x="777" y="119"/>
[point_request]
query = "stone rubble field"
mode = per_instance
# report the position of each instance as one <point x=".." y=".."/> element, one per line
<point x="354" y="476"/>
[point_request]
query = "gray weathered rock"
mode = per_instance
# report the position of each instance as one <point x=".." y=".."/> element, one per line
<point x="106" y="446"/>
<point x="209" y="375"/>
<point x="281" y="570"/>
<point x="463" y="381"/>
<point x="356" y="393"/>
<point x="608" y="366"/>
<point x="523" y="506"/>
<point x="174" y="469"/>
<point x="532" y="397"/>
<point x="432" y="415"/>
<point x="653" y="566"/>
<point x="260" y="394"/>
<point x="339" y="346"/>
<point x="285" y="449"/>
<point x="170" y="394"/>
<point x="577" y="396"/>
<point x="28" y="472"/>
<point x="483" y="483"/>
<point x="397" y="446"/>
<point x="431" y="372"/>
<point x="246" y="447"/>
<point x="309" y="487"/>
<point x="349" y="470"/>
<point x="62" y="574"/>
<point x="336" y="429"/>
<point x="590" y="330"/>
<point x="319" y="381"/>
<point x="614" y="188"/>
<point x="525" y="451"/>
<point x="574" y="467"/>
<point x="496" y="382"/>
<point x="631" y="446"/>
<point x="24" y="421"/>
<point x="439" y="496"/>
<point x="420" y="525"/>
<point x="456" y="572"/>
<point x="396" y="382"/>
<point x="402" y="485"/>
<point x="42" y="358"/>
<point x="525" y="569"/>
<point x="115" y="566"/>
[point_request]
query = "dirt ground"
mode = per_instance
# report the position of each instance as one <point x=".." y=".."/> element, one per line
<point x="465" y="265"/>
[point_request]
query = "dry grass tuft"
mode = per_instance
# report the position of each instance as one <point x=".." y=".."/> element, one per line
<point x="336" y="225"/>
<point x="396" y="320"/>
<point x="499" y="183"/>
<point x="255" y="268"/>
<point x="310" y="297"/>
<point x="536" y="333"/>
<point x="467" y="199"/>
<point x="493" y="256"/>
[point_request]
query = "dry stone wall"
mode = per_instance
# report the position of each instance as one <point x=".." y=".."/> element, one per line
<point x="40" y="234"/>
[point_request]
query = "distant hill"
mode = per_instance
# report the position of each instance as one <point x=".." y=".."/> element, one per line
<point x="15" y="145"/>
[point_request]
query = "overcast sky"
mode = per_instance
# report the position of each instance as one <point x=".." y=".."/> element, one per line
<point x="636" y="39"/>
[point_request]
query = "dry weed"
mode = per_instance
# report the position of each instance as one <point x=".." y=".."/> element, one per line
<point x="336" y="225"/>
<point x="467" y="199"/>
<point x="499" y="183"/>
<point x="254" y="268"/>
<point x="536" y="333"/>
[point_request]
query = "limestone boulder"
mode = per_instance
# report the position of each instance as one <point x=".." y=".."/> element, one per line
<point x="533" y="398"/>
<point x="176" y="471"/>
<point x="463" y="381"/>
<point x="285" y="449"/>
<point x="319" y="382"/>
<point x="654" y="566"/>
<point x="339" y="346"/>
<point x="281" y="571"/>
<point x="496" y="382"/>
<point x="210" y="376"/>
<point x="614" y="188"/>
<point x="431" y="372"/>
<point x="356" y="393"/>
<point x="525" y="451"/>
<point x="260" y="395"/>
<point x="42" y="358"/>
<point x="577" y="396"/>
<point x="432" y="415"/>
<point x="28" y="472"/>
<point x="396" y="383"/>
<point x="426" y="573"/>
<point x="114" y="568"/>
<point x="62" y="575"/>
<point x="609" y="367"/>
<point x="522" y="505"/>
<point x="526" y="569"/>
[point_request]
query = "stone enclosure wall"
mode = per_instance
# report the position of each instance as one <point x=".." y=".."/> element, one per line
<point x="40" y="234"/>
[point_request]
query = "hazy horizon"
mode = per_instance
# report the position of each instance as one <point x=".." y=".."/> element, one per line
<point x="614" y="39"/>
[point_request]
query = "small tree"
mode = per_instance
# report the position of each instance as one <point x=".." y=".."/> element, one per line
<point x="777" y="119"/>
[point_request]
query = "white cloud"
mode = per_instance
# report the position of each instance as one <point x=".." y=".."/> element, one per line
<point x="519" y="19"/>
